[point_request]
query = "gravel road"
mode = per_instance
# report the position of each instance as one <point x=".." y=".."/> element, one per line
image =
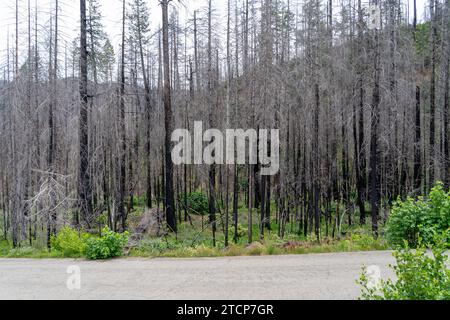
<point x="312" y="277"/>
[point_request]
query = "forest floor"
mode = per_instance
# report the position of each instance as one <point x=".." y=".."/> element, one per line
<point x="195" y="239"/>
<point x="192" y="243"/>
<point x="319" y="276"/>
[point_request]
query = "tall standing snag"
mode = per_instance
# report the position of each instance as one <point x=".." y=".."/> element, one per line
<point x="123" y="146"/>
<point x="434" y="36"/>
<point x="446" y="80"/>
<point x="168" y="122"/>
<point x="375" y="187"/>
<point x="212" y="170"/>
<point x="84" y="187"/>
<point x="360" y="155"/>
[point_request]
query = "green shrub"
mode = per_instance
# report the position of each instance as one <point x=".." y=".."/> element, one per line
<point x="242" y="231"/>
<point x="255" y="249"/>
<point x="420" y="276"/>
<point x="158" y="246"/>
<point x="110" y="245"/>
<point x="198" y="203"/>
<point x="22" y="252"/>
<point x="139" y="201"/>
<point x="204" y="251"/>
<point x="367" y="242"/>
<point x="412" y="220"/>
<point x="4" y="248"/>
<point x="69" y="243"/>
<point x="272" y="250"/>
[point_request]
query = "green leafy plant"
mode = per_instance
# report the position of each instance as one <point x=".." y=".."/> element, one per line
<point x="366" y="242"/>
<point x="5" y="247"/>
<point x="423" y="39"/>
<point x="423" y="218"/>
<point x="22" y="252"/>
<point x="158" y="246"/>
<point x="198" y="203"/>
<point x="110" y="245"/>
<point x="69" y="242"/>
<point x="421" y="276"/>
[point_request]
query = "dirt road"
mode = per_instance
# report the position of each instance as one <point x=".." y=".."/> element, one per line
<point x="320" y="276"/>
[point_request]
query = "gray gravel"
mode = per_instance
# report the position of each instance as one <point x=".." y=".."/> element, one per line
<point x="319" y="276"/>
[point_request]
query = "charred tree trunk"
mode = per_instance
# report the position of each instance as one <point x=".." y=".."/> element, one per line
<point x="212" y="171"/>
<point x="375" y="185"/>
<point x="432" y="160"/>
<point x="316" y="169"/>
<point x="84" y="183"/>
<point x="168" y="122"/>
<point x="361" y="175"/>
<point x="446" y="67"/>
<point x="418" y="145"/>
<point x="123" y="146"/>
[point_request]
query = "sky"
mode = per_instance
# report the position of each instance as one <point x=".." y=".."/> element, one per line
<point x="69" y="19"/>
<point x="112" y="17"/>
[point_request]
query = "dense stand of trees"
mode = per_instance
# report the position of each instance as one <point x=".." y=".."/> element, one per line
<point x="363" y="110"/>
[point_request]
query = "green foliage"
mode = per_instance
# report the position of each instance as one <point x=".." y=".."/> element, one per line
<point x="366" y="242"/>
<point x="192" y="244"/>
<point x="198" y="203"/>
<point x="243" y="183"/>
<point x="101" y="52"/>
<point x="412" y="220"/>
<point x="110" y="245"/>
<point x="242" y="231"/>
<point x="404" y="222"/>
<point x="69" y="243"/>
<point x="106" y="59"/>
<point x="158" y="246"/>
<point x="22" y="252"/>
<point x="256" y="249"/>
<point x="422" y="39"/>
<point x="420" y="276"/>
<point x="4" y="248"/>
<point x="138" y="21"/>
<point x="139" y="202"/>
<point x="102" y="219"/>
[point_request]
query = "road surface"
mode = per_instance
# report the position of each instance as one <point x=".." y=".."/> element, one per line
<point x="312" y="277"/>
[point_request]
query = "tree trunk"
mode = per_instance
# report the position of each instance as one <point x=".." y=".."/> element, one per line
<point x="316" y="170"/>
<point x="446" y="67"/>
<point x="375" y="187"/>
<point x="212" y="171"/>
<point x="84" y="183"/>
<point x="168" y="122"/>
<point x="433" y="94"/>
<point x="418" y="145"/>
<point x="123" y="146"/>
<point x="361" y="154"/>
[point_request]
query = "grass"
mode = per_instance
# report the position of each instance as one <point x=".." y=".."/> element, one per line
<point x="154" y="248"/>
<point x="6" y="251"/>
<point x="169" y="248"/>
<point x="196" y="241"/>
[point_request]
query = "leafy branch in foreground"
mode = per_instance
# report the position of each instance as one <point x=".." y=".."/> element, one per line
<point x="421" y="275"/>
<point x="420" y="218"/>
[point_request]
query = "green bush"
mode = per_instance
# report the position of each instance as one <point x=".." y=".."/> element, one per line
<point x="412" y="220"/>
<point x="4" y="248"/>
<point x="366" y="242"/>
<point x="22" y="252"/>
<point x="242" y="231"/>
<point x="110" y="245"/>
<point x="198" y="203"/>
<point x="69" y="243"/>
<point x="158" y="246"/>
<point x="420" y="276"/>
